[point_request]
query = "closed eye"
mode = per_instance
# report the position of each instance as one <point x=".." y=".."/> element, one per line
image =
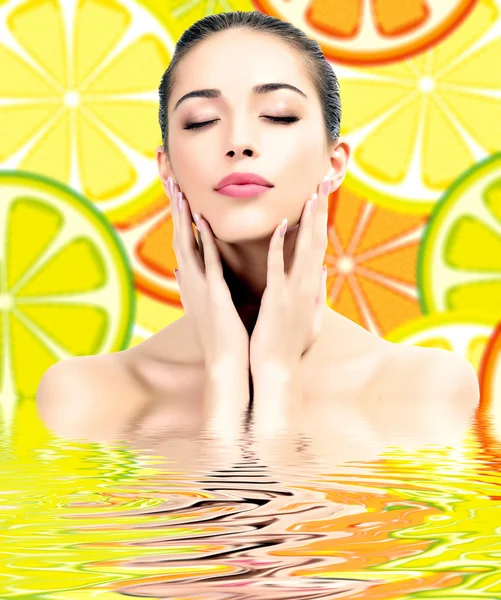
<point x="283" y="120"/>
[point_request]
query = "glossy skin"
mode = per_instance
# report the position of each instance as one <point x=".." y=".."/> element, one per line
<point x="351" y="380"/>
<point x="294" y="157"/>
<point x="356" y="401"/>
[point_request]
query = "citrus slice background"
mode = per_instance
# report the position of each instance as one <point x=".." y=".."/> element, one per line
<point x="415" y="126"/>
<point x="371" y="32"/>
<point x="85" y="93"/>
<point x="465" y="333"/>
<point x="66" y="285"/>
<point x="489" y="375"/>
<point x="371" y="262"/>
<point x="459" y="263"/>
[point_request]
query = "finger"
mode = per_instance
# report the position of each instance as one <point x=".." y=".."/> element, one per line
<point x="174" y="211"/>
<point x="275" y="266"/>
<point x="200" y="244"/>
<point x="322" y="293"/>
<point x="185" y="245"/>
<point x="213" y="267"/>
<point x="320" y="222"/>
<point x="185" y="305"/>
<point x="301" y="263"/>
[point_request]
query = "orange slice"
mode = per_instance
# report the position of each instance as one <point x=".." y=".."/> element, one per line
<point x="489" y="376"/>
<point x="148" y="235"/>
<point x="415" y="126"/>
<point x="371" y="262"/>
<point x="364" y="32"/>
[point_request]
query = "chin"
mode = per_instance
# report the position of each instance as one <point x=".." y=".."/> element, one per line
<point x="247" y="233"/>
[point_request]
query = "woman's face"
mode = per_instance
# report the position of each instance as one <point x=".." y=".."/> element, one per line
<point x="293" y="157"/>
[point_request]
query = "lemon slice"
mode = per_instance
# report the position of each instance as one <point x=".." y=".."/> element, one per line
<point x="465" y="333"/>
<point x="182" y="14"/>
<point x="66" y="287"/>
<point x="82" y="107"/>
<point x="459" y="261"/>
<point x="151" y="317"/>
<point x="415" y="126"/>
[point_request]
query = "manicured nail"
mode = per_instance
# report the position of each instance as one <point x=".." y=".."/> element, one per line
<point x="170" y="187"/>
<point x="196" y="216"/>
<point x="326" y="185"/>
<point x="314" y="201"/>
<point x="179" y="201"/>
<point x="283" y="228"/>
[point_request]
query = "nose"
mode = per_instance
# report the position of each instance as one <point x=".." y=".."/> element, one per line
<point x="242" y="136"/>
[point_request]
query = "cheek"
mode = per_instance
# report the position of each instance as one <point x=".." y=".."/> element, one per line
<point x="193" y="186"/>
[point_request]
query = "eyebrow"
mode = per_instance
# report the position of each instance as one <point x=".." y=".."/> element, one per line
<point x="262" y="88"/>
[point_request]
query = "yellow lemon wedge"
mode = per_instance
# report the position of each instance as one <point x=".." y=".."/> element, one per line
<point x="66" y="286"/>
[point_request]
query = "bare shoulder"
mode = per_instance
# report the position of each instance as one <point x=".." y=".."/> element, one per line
<point x="425" y="388"/>
<point x="434" y="370"/>
<point x="89" y="396"/>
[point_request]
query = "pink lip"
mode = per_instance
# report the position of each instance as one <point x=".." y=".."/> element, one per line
<point x="242" y="191"/>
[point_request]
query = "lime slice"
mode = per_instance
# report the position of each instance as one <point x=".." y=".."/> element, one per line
<point x="465" y="333"/>
<point x="459" y="260"/>
<point x="66" y="287"/>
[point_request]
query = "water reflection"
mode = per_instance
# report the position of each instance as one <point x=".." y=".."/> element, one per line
<point x="304" y="514"/>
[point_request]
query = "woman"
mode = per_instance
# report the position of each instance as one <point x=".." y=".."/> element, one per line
<point x="246" y="93"/>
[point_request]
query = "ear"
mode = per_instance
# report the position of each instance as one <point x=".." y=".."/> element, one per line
<point x="164" y="167"/>
<point x="339" y="158"/>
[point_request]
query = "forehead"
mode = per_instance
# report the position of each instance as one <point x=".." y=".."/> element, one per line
<point x="235" y="60"/>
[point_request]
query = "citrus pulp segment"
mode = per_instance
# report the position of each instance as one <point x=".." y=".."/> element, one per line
<point x="459" y="263"/>
<point x="465" y="333"/>
<point x="83" y="105"/>
<point x="371" y="262"/>
<point x="490" y="383"/>
<point x="181" y="14"/>
<point x="66" y="284"/>
<point x="415" y="126"/>
<point x="371" y="32"/>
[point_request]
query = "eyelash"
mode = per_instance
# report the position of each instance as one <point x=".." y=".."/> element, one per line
<point x="283" y="120"/>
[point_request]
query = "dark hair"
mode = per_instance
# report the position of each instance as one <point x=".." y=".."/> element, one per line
<point x="321" y="72"/>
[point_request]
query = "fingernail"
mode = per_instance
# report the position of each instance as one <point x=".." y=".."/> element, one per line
<point x="196" y="216"/>
<point x="170" y="187"/>
<point x="314" y="201"/>
<point x="326" y="185"/>
<point x="283" y="229"/>
<point x="179" y="201"/>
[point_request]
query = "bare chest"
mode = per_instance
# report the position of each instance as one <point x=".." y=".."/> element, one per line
<point x="175" y="394"/>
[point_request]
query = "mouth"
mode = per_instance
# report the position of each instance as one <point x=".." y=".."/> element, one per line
<point x="243" y="190"/>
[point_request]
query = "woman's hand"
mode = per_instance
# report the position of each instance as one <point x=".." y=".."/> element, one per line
<point x="293" y="305"/>
<point x="205" y="295"/>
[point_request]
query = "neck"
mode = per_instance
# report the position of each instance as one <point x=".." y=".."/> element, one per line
<point x="245" y="267"/>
